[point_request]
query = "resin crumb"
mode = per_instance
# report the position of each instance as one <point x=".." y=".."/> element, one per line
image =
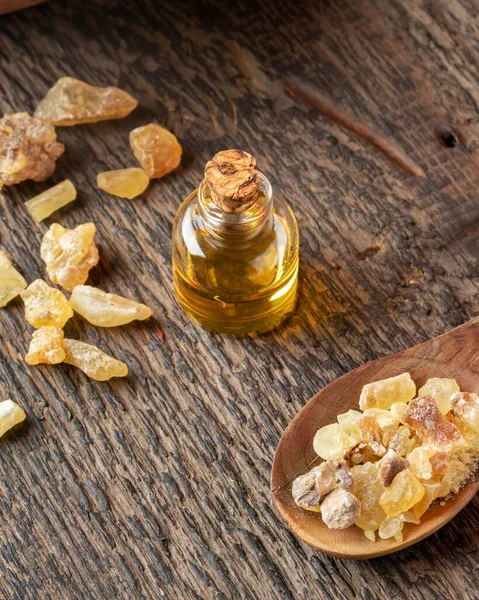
<point x="71" y="101"/>
<point x="156" y="149"/>
<point x="384" y="393"/>
<point x="28" y="149"/>
<point x="92" y="361"/>
<point x="46" y="347"/>
<point x="45" y="306"/>
<point x="69" y="254"/>
<point x="106" y="310"/>
<point x="10" y="415"/>
<point x="124" y="183"/>
<point x="42" y="206"/>
<point x="11" y="281"/>
<point x="340" y="509"/>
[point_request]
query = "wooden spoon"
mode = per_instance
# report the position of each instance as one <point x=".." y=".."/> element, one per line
<point x="454" y="355"/>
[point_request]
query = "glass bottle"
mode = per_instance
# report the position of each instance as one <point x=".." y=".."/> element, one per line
<point x="235" y="249"/>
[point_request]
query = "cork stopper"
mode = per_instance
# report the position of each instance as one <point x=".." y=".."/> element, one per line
<point x="232" y="180"/>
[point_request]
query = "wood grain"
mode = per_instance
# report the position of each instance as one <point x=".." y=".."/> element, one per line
<point x="453" y="355"/>
<point x="158" y="486"/>
<point x="7" y="6"/>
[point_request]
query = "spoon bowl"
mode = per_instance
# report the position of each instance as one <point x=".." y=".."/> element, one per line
<point x="454" y="355"/>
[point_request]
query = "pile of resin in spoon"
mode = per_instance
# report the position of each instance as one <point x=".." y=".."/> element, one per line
<point x="385" y="464"/>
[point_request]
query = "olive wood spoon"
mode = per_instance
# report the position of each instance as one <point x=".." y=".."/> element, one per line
<point x="454" y="355"/>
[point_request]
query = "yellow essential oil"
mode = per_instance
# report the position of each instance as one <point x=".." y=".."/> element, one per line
<point x="235" y="250"/>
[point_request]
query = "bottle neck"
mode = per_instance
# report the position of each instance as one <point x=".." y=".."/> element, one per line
<point x="237" y="226"/>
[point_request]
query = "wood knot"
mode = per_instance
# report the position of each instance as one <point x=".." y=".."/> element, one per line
<point x="448" y="137"/>
<point x="233" y="180"/>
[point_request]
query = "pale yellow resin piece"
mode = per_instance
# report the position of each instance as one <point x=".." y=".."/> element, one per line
<point x="404" y="492"/>
<point x="69" y="254"/>
<point x="45" y="306"/>
<point x="124" y="183"/>
<point x="93" y="361"/>
<point x="331" y="442"/>
<point x="46" y="347"/>
<point x="71" y="101"/>
<point x="156" y="149"/>
<point x="11" y="281"/>
<point x="106" y="310"/>
<point x="384" y="393"/>
<point x="10" y="415"/>
<point x="51" y="200"/>
<point x="441" y="389"/>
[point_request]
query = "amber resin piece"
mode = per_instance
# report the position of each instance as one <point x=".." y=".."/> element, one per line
<point x="371" y="435"/>
<point x="69" y="254"/>
<point x="28" y="149"/>
<point x="71" y="101"/>
<point x="93" y="361"/>
<point x="10" y="415"/>
<point x="431" y="491"/>
<point x="466" y="406"/>
<point x="156" y="149"/>
<point x="106" y="310"/>
<point x="441" y="390"/>
<point x="424" y="416"/>
<point x="386" y="392"/>
<point x="46" y="347"/>
<point x="51" y="200"/>
<point x="124" y="183"/>
<point x="404" y="492"/>
<point x="11" y="281"/>
<point x="45" y="306"/>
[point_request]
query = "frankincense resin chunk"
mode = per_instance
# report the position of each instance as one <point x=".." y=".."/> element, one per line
<point x="46" y="347"/>
<point x="106" y="310"/>
<point x="331" y="442"/>
<point x="69" y="254"/>
<point x="386" y="392"/>
<point x="371" y="434"/>
<point x="93" y="361"/>
<point x="466" y="406"/>
<point x="424" y="416"/>
<point x="71" y="101"/>
<point x="431" y="490"/>
<point x="46" y="203"/>
<point x="391" y="527"/>
<point x="390" y="466"/>
<point x="368" y="490"/>
<point x="305" y="491"/>
<point x="441" y="390"/>
<point x="28" y="149"/>
<point x="404" y="492"/>
<point x="156" y="149"/>
<point x="124" y="183"/>
<point x="10" y="414"/>
<point x="11" y="281"/>
<point x="340" y="509"/>
<point x="45" y="306"/>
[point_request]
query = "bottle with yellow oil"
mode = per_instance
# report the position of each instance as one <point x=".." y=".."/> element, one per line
<point x="235" y="249"/>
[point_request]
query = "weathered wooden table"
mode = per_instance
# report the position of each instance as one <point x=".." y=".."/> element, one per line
<point x="158" y="486"/>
